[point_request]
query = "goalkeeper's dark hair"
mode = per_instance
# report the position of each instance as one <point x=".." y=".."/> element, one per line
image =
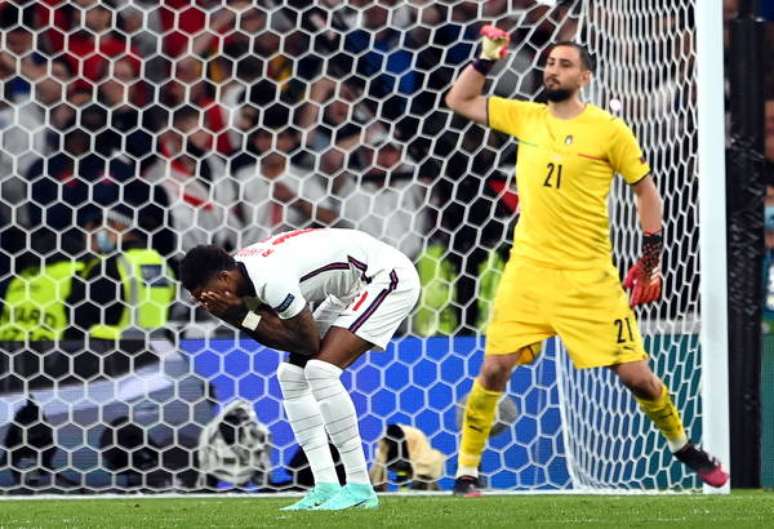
<point x="587" y="59"/>
<point x="201" y="263"/>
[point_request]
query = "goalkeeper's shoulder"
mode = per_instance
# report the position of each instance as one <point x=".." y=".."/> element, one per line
<point x="606" y="119"/>
<point x="522" y="106"/>
<point x="606" y="125"/>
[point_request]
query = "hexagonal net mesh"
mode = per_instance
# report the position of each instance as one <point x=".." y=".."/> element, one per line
<point x="183" y="122"/>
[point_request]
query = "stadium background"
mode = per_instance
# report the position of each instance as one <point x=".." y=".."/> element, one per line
<point x="227" y="121"/>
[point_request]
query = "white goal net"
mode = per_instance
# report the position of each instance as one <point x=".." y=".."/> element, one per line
<point x="184" y="122"/>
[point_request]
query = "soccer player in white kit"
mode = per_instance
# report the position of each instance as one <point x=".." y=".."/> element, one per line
<point x="361" y="290"/>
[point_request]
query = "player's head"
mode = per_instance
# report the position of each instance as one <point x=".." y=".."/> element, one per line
<point x="208" y="267"/>
<point x="568" y="69"/>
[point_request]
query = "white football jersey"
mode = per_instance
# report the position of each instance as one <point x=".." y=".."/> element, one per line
<point x="292" y="269"/>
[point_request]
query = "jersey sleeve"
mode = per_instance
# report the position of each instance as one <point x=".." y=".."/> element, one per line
<point x="625" y="154"/>
<point x="510" y="116"/>
<point x="278" y="289"/>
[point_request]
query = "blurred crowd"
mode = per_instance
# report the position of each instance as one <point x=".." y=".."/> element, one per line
<point x="225" y="121"/>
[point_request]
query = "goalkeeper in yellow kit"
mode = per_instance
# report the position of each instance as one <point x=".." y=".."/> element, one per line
<point x="560" y="279"/>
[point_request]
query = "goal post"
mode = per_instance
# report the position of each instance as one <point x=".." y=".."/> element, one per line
<point x="223" y="121"/>
<point x="670" y="98"/>
<point x="712" y="219"/>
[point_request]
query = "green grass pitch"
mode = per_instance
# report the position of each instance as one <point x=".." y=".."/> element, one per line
<point x="740" y="510"/>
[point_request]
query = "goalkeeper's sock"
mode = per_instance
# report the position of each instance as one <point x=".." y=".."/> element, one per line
<point x="477" y="422"/>
<point x="305" y="419"/>
<point x="665" y="416"/>
<point x="338" y="412"/>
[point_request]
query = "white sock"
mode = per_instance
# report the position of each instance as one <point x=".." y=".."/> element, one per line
<point x="338" y="412"/>
<point x="305" y="419"/>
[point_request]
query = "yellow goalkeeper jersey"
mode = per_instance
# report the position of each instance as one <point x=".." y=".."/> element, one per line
<point x="564" y="171"/>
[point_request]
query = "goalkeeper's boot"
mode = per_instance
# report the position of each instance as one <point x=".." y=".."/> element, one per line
<point x="466" y="486"/>
<point x="352" y="496"/>
<point x="707" y="467"/>
<point x="321" y="493"/>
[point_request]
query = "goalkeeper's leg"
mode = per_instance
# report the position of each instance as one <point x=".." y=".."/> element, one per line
<point x="304" y="416"/>
<point x="480" y="412"/>
<point x="653" y="397"/>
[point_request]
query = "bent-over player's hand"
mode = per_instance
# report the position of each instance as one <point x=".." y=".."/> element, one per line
<point x="494" y="44"/>
<point x="222" y="304"/>
<point x="644" y="278"/>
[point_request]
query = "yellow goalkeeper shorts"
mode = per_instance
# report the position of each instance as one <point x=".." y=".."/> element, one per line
<point x="587" y="309"/>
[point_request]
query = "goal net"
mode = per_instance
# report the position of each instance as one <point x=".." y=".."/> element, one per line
<point x="190" y="122"/>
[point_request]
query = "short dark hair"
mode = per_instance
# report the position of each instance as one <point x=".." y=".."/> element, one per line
<point x="587" y="60"/>
<point x="201" y="263"/>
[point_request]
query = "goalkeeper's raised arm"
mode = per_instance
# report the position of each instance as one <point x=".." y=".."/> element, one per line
<point x="465" y="95"/>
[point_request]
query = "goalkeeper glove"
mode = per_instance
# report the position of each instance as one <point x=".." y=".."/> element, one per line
<point x="494" y="46"/>
<point x="644" y="278"/>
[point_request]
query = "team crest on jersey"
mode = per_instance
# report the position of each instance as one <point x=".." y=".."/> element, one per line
<point x="568" y="139"/>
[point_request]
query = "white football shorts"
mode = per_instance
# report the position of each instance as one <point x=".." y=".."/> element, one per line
<point x="376" y="309"/>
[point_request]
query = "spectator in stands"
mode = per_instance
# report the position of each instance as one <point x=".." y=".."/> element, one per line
<point x="91" y="41"/>
<point x="17" y="64"/>
<point x="199" y="78"/>
<point x="332" y="117"/>
<point x="127" y="287"/>
<point x="26" y="137"/>
<point x="385" y="58"/>
<point x="201" y="193"/>
<point x="140" y="22"/>
<point x="239" y="104"/>
<point x="124" y="98"/>
<point x="60" y="188"/>
<point x="336" y="124"/>
<point x="62" y="116"/>
<point x="189" y="87"/>
<point x="276" y="194"/>
<point x="389" y="199"/>
<point x="36" y="299"/>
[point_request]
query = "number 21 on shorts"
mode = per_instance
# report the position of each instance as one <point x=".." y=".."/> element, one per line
<point x="624" y="330"/>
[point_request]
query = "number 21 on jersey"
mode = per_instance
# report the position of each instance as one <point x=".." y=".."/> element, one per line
<point x="553" y="175"/>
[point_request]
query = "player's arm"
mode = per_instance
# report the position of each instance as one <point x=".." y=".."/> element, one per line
<point x="298" y="334"/>
<point x="295" y="334"/>
<point x="649" y="205"/>
<point x="644" y="278"/>
<point x="465" y="95"/>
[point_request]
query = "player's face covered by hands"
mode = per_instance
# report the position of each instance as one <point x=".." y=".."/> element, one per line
<point x="219" y="297"/>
